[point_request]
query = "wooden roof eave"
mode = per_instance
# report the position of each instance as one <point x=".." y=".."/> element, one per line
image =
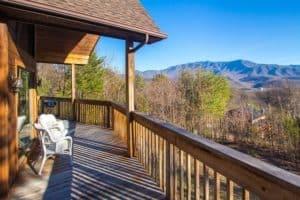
<point x="74" y="21"/>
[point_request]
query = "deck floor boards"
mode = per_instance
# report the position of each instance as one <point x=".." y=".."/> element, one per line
<point x="100" y="170"/>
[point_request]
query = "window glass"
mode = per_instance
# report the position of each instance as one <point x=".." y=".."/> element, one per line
<point x="23" y="126"/>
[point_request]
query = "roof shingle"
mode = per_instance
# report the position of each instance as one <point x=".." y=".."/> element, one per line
<point x="128" y="14"/>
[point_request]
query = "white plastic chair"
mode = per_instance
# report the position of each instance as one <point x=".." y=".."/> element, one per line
<point x="52" y="144"/>
<point x="49" y="122"/>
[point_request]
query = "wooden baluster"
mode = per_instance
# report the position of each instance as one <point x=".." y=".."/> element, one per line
<point x="79" y="112"/>
<point x="206" y="182"/>
<point x="246" y="194"/>
<point x="160" y="160"/>
<point x="85" y="114"/>
<point x="58" y="108"/>
<point x="197" y="180"/>
<point x="147" y="149"/>
<point x="168" y="179"/>
<point x="188" y="176"/>
<point x="107" y="117"/>
<point x="94" y="115"/>
<point x="164" y="161"/>
<point x="98" y="114"/>
<point x="82" y="113"/>
<point x="137" y="136"/>
<point x="181" y="157"/>
<point x="217" y="185"/>
<point x="134" y="144"/>
<point x="150" y="153"/>
<point x="175" y="172"/>
<point x="230" y="187"/>
<point x="154" y="155"/>
<point x="156" y="159"/>
<point x="142" y="145"/>
<point x="139" y="143"/>
<point x="91" y="114"/>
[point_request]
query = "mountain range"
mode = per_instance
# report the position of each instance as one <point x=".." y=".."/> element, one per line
<point x="241" y="73"/>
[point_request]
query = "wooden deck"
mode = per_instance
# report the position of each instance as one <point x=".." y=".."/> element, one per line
<point x="100" y="170"/>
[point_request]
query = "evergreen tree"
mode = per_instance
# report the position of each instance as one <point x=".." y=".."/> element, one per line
<point x="89" y="78"/>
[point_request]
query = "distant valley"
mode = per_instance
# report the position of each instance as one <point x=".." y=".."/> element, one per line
<point x="241" y="73"/>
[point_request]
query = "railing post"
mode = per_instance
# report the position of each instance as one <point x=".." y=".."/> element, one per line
<point x="73" y="91"/>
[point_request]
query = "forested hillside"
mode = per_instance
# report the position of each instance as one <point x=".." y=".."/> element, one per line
<point x="241" y="73"/>
<point x="265" y="124"/>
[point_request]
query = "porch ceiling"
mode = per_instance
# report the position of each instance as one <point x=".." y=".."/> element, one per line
<point x="124" y="19"/>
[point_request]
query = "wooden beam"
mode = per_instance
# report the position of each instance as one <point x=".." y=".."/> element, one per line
<point x="4" y="162"/>
<point x="73" y="89"/>
<point x="129" y="75"/>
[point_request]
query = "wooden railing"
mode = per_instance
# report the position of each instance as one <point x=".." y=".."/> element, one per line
<point x="62" y="108"/>
<point x="93" y="112"/>
<point x="84" y="111"/>
<point x="187" y="166"/>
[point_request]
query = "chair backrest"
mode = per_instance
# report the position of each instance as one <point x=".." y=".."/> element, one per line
<point x="47" y="120"/>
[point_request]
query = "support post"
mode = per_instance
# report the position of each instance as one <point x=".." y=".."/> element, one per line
<point x="129" y="74"/>
<point x="73" y="91"/>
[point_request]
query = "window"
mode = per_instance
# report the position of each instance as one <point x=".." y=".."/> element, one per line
<point x="24" y="127"/>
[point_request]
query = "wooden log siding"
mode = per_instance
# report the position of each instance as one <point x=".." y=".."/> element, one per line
<point x="4" y="109"/>
<point x="187" y="166"/>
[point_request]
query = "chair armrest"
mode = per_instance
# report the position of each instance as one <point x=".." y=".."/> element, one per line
<point x="68" y="138"/>
<point x="60" y="125"/>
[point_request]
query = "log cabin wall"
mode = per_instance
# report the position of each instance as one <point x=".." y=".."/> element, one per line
<point x="16" y="51"/>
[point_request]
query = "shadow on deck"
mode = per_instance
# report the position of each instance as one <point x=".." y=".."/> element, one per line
<point x="100" y="170"/>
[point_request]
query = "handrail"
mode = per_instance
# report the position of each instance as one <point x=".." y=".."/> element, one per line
<point x="119" y="107"/>
<point x="55" y="98"/>
<point x="92" y="101"/>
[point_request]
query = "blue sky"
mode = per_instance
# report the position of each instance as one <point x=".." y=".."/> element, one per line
<point x="263" y="31"/>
